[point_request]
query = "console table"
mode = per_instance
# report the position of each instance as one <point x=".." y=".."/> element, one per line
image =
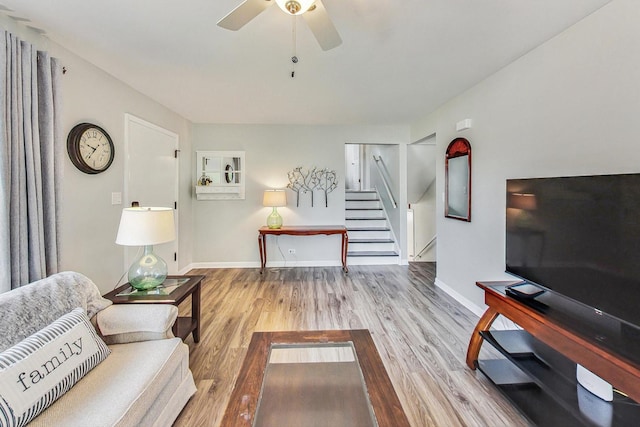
<point x="538" y="370"/>
<point x="302" y="230"/>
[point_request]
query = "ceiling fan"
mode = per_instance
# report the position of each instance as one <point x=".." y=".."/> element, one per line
<point x="313" y="12"/>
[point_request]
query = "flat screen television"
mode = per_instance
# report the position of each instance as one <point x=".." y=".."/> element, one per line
<point x="578" y="237"/>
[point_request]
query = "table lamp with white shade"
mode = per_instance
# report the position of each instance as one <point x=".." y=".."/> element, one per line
<point x="274" y="199"/>
<point x="146" y="226"/>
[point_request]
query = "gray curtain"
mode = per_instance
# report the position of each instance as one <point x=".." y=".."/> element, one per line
<point x="30" y="163"/>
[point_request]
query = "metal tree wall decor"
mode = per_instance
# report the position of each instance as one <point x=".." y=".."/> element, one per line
<point x="327" y="182"/>
<point x="307" y="181"/>
<point x="297" y="182"/>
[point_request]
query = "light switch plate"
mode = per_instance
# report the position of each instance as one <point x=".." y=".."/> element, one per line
<point x="116" y="198"/>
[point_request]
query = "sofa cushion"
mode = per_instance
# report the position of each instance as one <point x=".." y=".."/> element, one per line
<point x="125" y="323"/>
<point x="44" y="366"/>
<point x="28" y="309"/>
<point x="129" y="388"/>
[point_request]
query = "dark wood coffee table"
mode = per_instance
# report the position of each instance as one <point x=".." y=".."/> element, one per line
<point x="190" y="287"/>
<point x="313" y="378"/>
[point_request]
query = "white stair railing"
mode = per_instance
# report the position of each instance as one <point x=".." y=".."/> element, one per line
<point x="382" y="170"/>
<point x="427" y="246"/>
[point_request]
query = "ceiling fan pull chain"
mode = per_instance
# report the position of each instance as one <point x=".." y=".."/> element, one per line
<point x="294" y="58"/>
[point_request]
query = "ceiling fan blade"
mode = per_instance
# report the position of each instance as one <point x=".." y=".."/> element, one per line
<point x="244" y="13"/>
<point x="322" y="27"/>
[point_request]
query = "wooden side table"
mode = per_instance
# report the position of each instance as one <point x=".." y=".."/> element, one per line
<point x="184" y="325"/>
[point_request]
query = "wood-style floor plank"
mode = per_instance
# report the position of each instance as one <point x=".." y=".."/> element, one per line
<point x="420" y="332"/>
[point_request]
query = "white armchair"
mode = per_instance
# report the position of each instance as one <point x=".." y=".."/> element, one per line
<point x="119" y="324"/>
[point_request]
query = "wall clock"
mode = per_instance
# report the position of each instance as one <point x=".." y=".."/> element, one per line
<point x="90" y="148"/>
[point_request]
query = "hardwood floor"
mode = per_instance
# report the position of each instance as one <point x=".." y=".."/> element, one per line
<point x="421" y="334"/>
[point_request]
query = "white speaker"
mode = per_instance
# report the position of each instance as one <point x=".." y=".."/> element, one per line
<point x="594" y="383"/>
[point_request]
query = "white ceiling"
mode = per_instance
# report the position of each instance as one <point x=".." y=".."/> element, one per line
<point x="399" y="59"/>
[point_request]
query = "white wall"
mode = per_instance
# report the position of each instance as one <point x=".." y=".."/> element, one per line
<point x="89" y="221"/>
<point x="225" y="232"/>
<point x="421" y="169"/>
<point x="567" y="108"/>
<point x="421" y="194"/>
<point x="425" y="214"/>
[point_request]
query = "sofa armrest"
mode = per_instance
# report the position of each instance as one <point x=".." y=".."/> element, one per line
<point x="123" y="323"/>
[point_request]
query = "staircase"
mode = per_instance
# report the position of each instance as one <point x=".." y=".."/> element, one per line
<point x="370" y="237"/>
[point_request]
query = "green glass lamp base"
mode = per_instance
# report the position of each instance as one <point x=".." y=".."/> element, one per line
<point x="274" y="220"/>
<point x="147" y="272"/>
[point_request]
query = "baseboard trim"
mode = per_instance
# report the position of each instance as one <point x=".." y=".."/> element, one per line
<point x="185" y="270"/>
<point x="501" y="323"/>
<point x="280" y="264"/>
<point x="478" y="311"/>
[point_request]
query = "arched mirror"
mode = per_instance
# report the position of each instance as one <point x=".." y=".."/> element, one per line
<point x="457" y="203"/>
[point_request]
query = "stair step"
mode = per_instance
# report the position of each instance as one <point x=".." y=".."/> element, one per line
<point x="369" y="234"/>
<point x="371" y="244"/>
<point x="372" y="253"/>
<point x="362" y="200"/>
<point x="368" y="229"/>
<point x="367" y="223"/>
<point x="364" y="213"/>
<point x="362" y="204"/>
<point x="370" y="240"/>
<point x="363" y="209"/>
<point x="361" y="195"/>
<point x="366" y="218"/>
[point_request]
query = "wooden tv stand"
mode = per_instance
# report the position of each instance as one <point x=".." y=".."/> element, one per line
<point x="537" y="372"/>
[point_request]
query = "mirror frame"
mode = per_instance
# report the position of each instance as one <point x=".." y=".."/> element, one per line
<point x="459" y="147"/>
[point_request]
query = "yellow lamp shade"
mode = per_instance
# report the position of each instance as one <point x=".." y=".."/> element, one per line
<point x="146" y="226"/>
<point x="274" y="198"/>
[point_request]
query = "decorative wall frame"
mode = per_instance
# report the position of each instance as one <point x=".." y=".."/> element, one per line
<point x="220" y="175"/>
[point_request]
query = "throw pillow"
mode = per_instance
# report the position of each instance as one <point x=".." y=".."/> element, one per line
<point x="44" y="366"/>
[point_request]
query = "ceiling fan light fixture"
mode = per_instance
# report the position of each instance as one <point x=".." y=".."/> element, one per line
<point x="295" y="7"/>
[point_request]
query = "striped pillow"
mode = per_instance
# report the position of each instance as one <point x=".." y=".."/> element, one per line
<point x="41" y="368"/>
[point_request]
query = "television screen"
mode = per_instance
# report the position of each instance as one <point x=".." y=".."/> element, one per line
<point x="579" y="237"/>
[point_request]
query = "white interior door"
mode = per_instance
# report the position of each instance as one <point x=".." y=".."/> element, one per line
<point x="151" y="177"/>
<point x="352" y="166"/>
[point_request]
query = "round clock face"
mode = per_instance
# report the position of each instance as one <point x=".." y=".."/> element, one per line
<point x="90" y="148"/>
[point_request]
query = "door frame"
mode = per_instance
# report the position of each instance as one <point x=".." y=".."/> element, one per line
<point x="128" y="119"/>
